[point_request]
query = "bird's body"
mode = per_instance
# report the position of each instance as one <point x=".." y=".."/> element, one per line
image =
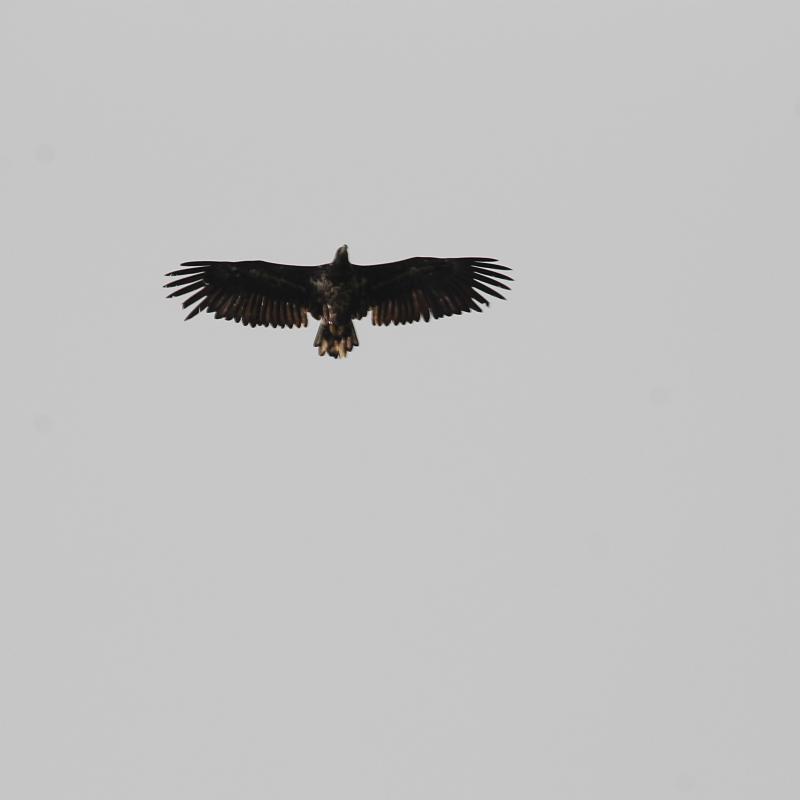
<point x="282" y="295"/>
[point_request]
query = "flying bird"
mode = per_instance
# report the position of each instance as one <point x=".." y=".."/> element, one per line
<point x="283" y="295"/>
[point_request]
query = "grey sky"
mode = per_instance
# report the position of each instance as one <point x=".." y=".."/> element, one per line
<point x="547" y="551"/>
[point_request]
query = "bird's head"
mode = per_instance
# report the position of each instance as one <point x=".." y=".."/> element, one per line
<point x="341" y="256"/>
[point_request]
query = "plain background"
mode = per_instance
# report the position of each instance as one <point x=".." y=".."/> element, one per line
<point x="548" y="551"/>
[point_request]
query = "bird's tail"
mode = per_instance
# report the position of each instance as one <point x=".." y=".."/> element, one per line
<point x="336" y="340"/>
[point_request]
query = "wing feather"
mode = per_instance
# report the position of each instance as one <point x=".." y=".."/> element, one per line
<point x="423" y="288"/>
<point x="250" y="292"/>
<point x="483" y="278"/>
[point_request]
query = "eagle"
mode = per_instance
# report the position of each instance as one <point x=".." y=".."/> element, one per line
<point x="283" y="295"/>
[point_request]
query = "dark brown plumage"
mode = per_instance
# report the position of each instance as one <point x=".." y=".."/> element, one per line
<point x="283" y="295"/>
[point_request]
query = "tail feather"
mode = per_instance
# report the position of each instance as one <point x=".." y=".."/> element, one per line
<point x="336" y="340"/>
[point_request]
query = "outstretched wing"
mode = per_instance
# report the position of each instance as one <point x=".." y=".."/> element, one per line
<point x="250" y="292"/>
<point x="421" y="288"/>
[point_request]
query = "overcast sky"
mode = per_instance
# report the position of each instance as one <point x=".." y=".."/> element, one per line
<point x="547" y="551"/>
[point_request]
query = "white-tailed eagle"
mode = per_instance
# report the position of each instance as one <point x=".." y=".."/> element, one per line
<point x="283" y="295"/>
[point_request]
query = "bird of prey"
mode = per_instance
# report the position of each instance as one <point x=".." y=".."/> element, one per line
<point x="283" y="295"/>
